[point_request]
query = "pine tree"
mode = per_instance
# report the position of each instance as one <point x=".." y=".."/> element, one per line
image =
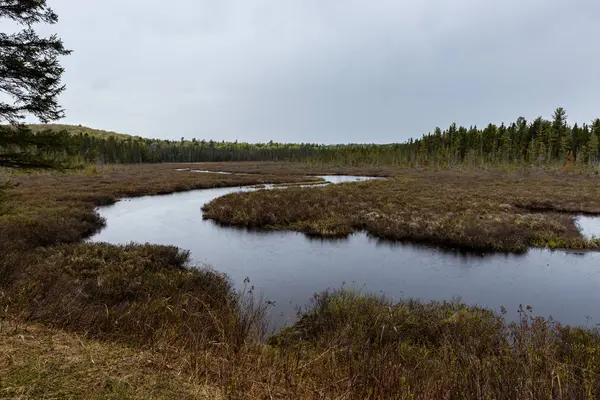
<point x="559" y="134"/>
<point x="594" y="139"/>
<point x="542" y="152"/>
<point x="593" y="148"/>
<point x="30" y="82"/>
<point x="532" y="152"/>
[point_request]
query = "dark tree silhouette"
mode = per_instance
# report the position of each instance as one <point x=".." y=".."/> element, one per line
<point x="30" y="82"/>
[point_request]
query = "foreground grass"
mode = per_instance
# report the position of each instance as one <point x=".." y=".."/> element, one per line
<point x="371" y="347"/>
<point x="41" y="363"/>
<point x="79" y="320"/>
<point x="344" y="346"/>
<point x="466" y="209"/>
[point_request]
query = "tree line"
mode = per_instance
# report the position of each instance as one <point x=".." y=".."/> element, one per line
<point x="539" y="142"/>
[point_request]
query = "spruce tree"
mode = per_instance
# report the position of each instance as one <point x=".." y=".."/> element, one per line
<point x="560" y="142"/>
<point x="30" y="82"/>
<point x="592" y="149"/>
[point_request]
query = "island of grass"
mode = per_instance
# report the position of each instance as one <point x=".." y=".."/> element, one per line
<point x="314" y="182"/>
<point x="466" y="209"/>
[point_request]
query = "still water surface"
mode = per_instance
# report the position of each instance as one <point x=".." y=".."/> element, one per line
<point x="288" y="267"/>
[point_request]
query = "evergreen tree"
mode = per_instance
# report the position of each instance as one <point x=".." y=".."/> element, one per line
<point x="559" y="133"/>
<point x="30" y="82"/>
<point x="532" y="151"/>
<point x="592" y="148"/>
<point x="21" y="148"/>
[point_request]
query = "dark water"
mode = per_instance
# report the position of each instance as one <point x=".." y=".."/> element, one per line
<point x="288" y="267"/>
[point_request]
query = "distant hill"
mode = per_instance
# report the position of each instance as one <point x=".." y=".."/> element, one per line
<point x="76" y="129"/>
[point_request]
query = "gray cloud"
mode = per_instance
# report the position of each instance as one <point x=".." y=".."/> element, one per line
<point x="316" y="71"/>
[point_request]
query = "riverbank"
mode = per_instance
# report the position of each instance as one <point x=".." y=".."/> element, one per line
<point x="474" y="210"/>
<point x="48" y="208"/>
<point x="141" y="302"/>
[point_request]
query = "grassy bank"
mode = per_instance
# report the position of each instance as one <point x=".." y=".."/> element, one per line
<point x="48" y="208"/>
<point x="465" y="209"/>
<point x="136" y="294"/>
<point x="79" y="320"/>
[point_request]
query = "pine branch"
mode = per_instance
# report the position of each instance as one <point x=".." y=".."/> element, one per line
<point x="27" y="12"/>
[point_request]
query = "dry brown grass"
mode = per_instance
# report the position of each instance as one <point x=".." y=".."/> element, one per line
<point x="348" y="345"/>
<point x="41" y="363"/>
<point x="139" y="294"/>
<point x="135" y="323"/>
<point x="466" y="209"/>
<point x="283" y="168"/>
<point x="48" y="208"/>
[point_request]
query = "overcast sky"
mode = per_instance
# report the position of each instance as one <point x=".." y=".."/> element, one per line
<point x="327" y="71"/>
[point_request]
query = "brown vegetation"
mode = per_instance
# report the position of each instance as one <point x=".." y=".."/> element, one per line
<point x="289" y="168"/>
<point x="139" y="294"/>
<point x="369" y="347"/>
<point x="134" y="321"/>
<point x="466" y="209"/>
<point x="48" y="208"/>
<point x="41" y="363"/>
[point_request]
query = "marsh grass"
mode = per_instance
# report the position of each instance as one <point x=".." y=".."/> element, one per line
<point x="471" y="210"/>
<point x="376" y="348"/>
<point x="139" y="294"/>
<point x="316" y="182"/>
<point x="290" y="168"/>
<point x="79" y="320"/>
<point x="37" y="362"/>
<point x="45" y="208"/>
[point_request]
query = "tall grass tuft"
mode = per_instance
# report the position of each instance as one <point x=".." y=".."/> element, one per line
<point x="371" y="347"/>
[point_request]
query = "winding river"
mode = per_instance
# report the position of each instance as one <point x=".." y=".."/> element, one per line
<point x="288" y="267"/>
